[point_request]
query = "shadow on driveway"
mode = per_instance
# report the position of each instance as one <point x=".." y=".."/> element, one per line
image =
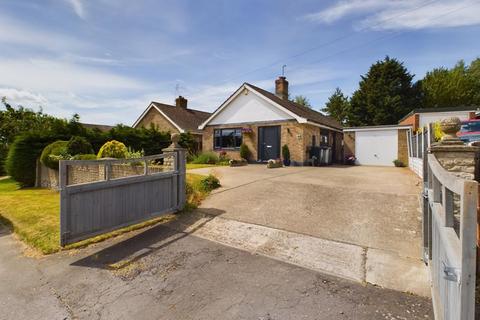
<point x="145" y="243"/>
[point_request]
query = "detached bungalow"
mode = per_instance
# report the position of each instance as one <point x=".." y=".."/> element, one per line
<point x="175" y="119"/>
<point x="265" y="122"/>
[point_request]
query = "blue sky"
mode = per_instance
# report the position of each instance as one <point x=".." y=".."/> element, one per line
<point x="107" y="59"/>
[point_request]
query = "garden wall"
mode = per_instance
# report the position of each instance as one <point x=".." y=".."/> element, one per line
<point x="48" y="178"/>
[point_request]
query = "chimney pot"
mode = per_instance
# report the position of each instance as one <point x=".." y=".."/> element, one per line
<point x="181" y="102"/>
<point x="281" y="88"/>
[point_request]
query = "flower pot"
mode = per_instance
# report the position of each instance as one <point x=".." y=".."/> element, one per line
<point x="286" y="162"/>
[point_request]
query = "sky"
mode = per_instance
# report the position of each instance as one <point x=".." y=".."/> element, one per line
<point x="107" y="59"/>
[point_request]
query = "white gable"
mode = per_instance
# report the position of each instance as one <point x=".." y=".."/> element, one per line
<point x="249" y="107"/>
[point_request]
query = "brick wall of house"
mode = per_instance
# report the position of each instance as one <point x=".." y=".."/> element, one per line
<point x="402" y="146"/>
<point x="413" y="120"/>
<point x="153" y="116"/>
<point x="349" y="143"/>
<point x="291" y="134"/>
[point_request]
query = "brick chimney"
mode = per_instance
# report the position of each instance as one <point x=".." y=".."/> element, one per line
<point x="181" y="102"/>
<point x="281" y="88"/>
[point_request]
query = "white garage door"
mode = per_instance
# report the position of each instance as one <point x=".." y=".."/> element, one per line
<point x="376" y="147"/>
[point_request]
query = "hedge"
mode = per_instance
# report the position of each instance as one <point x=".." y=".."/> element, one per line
<point x="22" y="156"/>
<point x="79" y="145"/>
<point x="113" y="149"/>
<point x="3" y="157"/>
<point x="56" y="148"/>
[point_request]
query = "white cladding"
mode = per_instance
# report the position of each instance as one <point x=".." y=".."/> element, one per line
<point x="376" y="147"/>
<point x="249" y="108"/>
<point x="426" y="118"/>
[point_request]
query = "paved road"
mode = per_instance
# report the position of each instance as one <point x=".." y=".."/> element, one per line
<point x="159" y="273"/>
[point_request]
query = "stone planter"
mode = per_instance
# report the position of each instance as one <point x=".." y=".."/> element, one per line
<point x="274" y="164"/>
<point x="238" y="163"/>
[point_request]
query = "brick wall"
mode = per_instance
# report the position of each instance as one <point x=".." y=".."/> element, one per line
<point x="402" y="146"/>
<point x="349" y="143"/>
<point x="291" y="134"/>
<point x="153" y="116"/>
<point x="413" y="120"/>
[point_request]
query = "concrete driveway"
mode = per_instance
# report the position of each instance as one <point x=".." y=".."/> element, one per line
<point x="374" y="207"/>
<point x="374" y="211"/>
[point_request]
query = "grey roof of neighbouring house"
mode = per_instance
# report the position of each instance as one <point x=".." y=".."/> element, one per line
<point x="101" y="127"/>
<point x="187" y="119"/>
<point x="300" y="110"/>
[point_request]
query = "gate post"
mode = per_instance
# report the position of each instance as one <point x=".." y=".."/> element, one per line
<point x="180" y="168"/>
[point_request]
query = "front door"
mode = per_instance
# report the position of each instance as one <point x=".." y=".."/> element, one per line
<point x="268" y="143"/>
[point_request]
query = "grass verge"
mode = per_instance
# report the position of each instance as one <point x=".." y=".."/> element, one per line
<point x="34" y="214"/>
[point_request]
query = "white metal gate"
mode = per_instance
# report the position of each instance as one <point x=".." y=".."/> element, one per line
<point x="450" y="222"/>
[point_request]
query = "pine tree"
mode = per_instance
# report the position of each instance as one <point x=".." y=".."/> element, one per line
<point x="385" y="95"/>
<point x="337" y="106"/>
<point x="302" y="100"/>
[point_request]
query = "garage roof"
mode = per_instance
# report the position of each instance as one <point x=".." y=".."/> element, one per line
<point x="376" y="128"/>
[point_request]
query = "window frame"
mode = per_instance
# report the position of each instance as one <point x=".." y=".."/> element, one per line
<point x="215" y="147"/>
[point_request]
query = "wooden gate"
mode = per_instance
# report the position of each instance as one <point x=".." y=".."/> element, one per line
<point x="450" y="222"/>
<point x="98" y="196"/>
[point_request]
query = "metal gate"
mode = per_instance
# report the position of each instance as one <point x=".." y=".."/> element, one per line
<point x="98" y="196"/>
<point x="450" y="222"/>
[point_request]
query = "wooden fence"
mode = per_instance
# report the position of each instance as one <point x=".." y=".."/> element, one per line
<point x="110" y="194"/>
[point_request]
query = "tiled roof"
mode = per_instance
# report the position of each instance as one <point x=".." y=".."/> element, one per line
<point x="187" y="119"/>
<point x="300" y="110"/>
<point x="101" y="127"/>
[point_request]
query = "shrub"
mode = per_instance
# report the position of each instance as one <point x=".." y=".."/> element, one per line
<point x="3" y="157"/>
<point x="286" y="154"/>
<point x="206" y="158"/>
<point x="245" y="152"/>
<point x="22" y="156"/>
<point x="88" y="156"/>
<point x="398" y="163"/>
<point x="132" y="154"/>
<point x="209" y="183"/>
<point x="113" y="149"/>
<point x="52" y="153"/>
<point x="79" y="145"/>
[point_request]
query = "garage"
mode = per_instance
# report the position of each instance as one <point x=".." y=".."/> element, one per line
<point x="377" y="145"/>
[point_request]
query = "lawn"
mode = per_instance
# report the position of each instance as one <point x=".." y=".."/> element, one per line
<point x="34" y="214"/>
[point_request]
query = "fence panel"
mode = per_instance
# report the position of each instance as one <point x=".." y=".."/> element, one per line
<point x="449" y="227"/>
<point x="98" y="196"/>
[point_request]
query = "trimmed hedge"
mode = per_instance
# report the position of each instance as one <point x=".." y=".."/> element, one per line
<point x="22" y="157"/>
<point x="3" y="157"/>
<point x="113" y="149"/>
<point x="79" y="145"/>
<point x="206" y="158"/>
<point x="56" y="148"/>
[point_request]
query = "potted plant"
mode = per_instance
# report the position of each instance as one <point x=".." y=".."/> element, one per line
<point x="286" y="155"/>
<point x="350" y="160"/>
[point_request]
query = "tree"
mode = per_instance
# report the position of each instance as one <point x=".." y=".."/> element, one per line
<point x="384" y="96"/>
<point x="337" y="106"/>
<point x="302" y="100"/>
<point x="458" y="86"/>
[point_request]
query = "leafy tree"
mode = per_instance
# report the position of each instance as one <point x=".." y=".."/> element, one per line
<point x="458" y="86"/>
<point x="384" y="96"/>
<point x="302" y="100"/>
<point x="337" y="106"/>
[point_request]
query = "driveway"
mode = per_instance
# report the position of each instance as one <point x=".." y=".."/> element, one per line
<point x="372" y="207"/>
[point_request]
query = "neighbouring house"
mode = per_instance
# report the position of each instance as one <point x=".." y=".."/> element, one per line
<point x="175" y="119"/>
<point x="419" y="118"/>
<point x="101" y="127"/>
<point x="265" y="121"/>
<point x="377" y="145"/>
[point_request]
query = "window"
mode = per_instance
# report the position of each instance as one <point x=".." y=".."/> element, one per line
<point x="227" y="138"/>
<point x="323" y="137"/>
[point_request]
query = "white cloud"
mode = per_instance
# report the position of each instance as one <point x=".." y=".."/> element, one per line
<point x="23" y="98"/>
<point x="51" y="75"/>
<point x="77" y="6"/>
<point x="398" y="15"/>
